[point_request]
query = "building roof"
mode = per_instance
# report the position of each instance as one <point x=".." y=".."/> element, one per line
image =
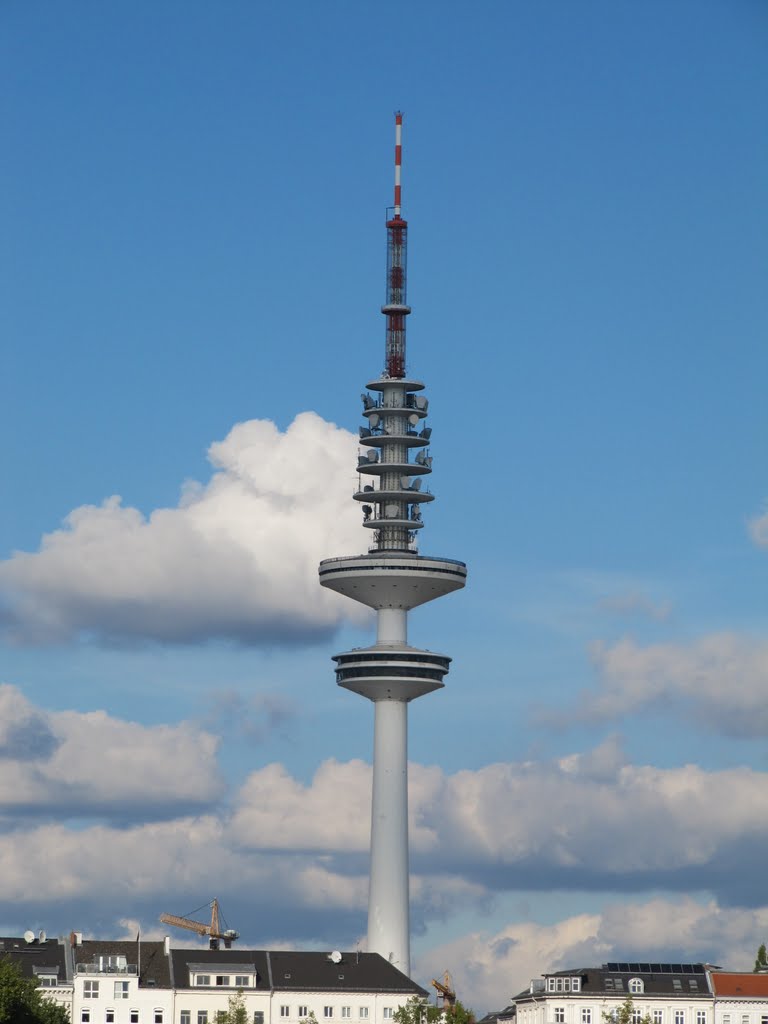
<point x="285" y="970"/>
<point x="662" y="979"/>
<point x="740" y="986"/>
<point x="30" y="955"/>
<point x="149" y="958"/>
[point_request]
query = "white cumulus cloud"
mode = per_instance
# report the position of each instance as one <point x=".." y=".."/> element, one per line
<point x="721" y="677"/>
<point x="489" y="968"/>
<point x="236" y="559"/>
<point x="68" y="763"/>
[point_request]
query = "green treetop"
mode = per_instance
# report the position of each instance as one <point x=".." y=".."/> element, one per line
<point x="22" y="1002"/>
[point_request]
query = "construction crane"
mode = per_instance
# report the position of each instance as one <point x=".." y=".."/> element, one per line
<point x="212" y="930"/>
<point x="446" y="992"/>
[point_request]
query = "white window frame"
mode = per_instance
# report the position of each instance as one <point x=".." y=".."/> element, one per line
<point x="658" y="1016"/>
<point x="134" y="1016"/>
<point x="90" y="990"/>
<point x="185" y="1017"/>
<point x="559" y="1015"/>
<point x="346" y="1012"/>
<point x="158" y="1015"/>
<point x="636" y="986"/>
<point x="203" y="979"/>
<point x="328" y="1012"/>
<point x="363" y="1013"/>
<point x="121" y="990"/>
<point x="242" y="981"/>
<point x="202" y="1017"/>
<point x="107" y="1018"/>
<point x="222" y="980"/>
<point x="586" y="1015"/>
<point x="285" y="1010"/>
<point x="575" y="984"/>
<point x="701" y="1017"/>
<point x="303" y="1012"/>
<point x="387" y="1013"/>
<point x="85" y="1015"/>
<point x="679" y="1016"/>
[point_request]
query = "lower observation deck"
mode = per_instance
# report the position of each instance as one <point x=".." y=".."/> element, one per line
<point x="391" y="671"/>
<point x="393" y="579"/>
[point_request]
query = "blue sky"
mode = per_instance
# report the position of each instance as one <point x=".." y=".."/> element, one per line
<point x="193" y="199"/>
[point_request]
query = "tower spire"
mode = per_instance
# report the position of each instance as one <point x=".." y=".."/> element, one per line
<point x="395" y="308"/>
<point x="392" y="578"/>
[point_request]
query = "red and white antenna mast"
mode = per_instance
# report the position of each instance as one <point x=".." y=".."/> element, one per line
<point x="396" y="309"/>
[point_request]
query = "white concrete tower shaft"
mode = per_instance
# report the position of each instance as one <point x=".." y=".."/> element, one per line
<point x="392" y="578"/>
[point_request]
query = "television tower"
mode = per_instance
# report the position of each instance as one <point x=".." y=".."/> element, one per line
<point x="393" y="578"/>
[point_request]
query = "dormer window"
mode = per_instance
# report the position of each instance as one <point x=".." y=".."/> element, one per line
<point x="635" y="985"/>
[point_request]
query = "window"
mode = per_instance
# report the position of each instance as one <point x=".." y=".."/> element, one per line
<point x="679" y="1016"/>
<point x="559" y="1015"/>
<point x="701" y="1017"/>
<point x="677" y="985"/>
<point x="285" y="1011"/>
<point x="134" y="1017"/>
<point x="85" y="1016"/>
<point x="658" y="1017"/>
<point x="222" y="979"/>
<point x="635" y="985"/>
<point x="158" y="1017"/>
<point x="110" y="1017"/>
<point x="258" y="1017"/>
<point x="636" y="1016"/>
<point x="303" y="1011"/>
<point x="202" y="1017"/>
<point x="203" y="979"/>
<point x="346" y="1012"/>
<point x="363" y="1014"/>
<point x="745" y="1018"/>
<point x="575" y="984"/>
<point x="186" y="1017"/>
<point x="586" y="1015"/>
<point x="327" y="1011"/>
<point x="550" y="984"/>
<point x="47" y="980"/>
<point x="387" y="1013"/>
<point x="559" y="984"/>
<point x="121" y="990"/>
<point x="91" y="990"/>
<point x="242" y="981"/>
<point x="763" y="1019"/>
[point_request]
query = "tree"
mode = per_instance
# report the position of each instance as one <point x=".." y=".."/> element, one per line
<point x="761" y="961"/>
<point x="419" y="1011"/>
<point x="416" y="1011"/>
<point x="236" y="1012"/>
<point x="22" y="1002"/>
<point x="626" y="1014"/>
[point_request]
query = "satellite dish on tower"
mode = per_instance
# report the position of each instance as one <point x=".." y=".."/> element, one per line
<point x="29" y="935"/>
<point x="336" y="956"/>
<point x="41" y="936"/>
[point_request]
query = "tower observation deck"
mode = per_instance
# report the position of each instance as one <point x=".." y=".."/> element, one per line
<point x="392" y="578"/>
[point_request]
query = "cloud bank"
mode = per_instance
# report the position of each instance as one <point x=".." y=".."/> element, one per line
<point x="720" y="679"/>
<point x="489" y="968"/>
<point x="235" y="560"/>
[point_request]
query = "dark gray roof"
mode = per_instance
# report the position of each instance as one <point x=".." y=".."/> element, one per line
<point x="149" y="957"/>
<point x="30" y="955"/>
<point x="285" y="970"/>
<point x="662" y="979"/>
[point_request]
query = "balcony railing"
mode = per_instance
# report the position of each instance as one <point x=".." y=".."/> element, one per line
<point x="95" y="967"/>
